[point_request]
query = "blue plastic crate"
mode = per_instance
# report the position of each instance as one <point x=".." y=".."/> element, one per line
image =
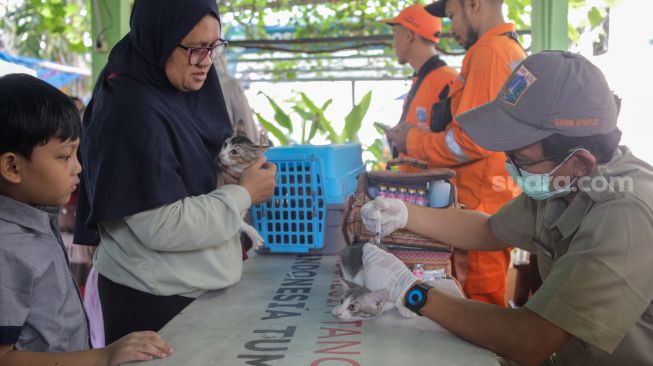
<point x="309" y="178"/>
<point x="340" y="165"/>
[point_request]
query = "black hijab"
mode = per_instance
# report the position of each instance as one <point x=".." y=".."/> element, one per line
<point x="145" y="143"/>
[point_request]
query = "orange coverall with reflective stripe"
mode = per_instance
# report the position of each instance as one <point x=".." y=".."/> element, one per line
<point x="479" y="172"/>
<point x="419" y="111"/>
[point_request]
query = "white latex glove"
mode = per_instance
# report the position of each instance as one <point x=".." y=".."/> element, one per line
<point x="382" y="270"/>
<point x="391" y="212"/>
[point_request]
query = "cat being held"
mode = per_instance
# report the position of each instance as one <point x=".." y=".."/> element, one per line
<point x="358" y="302"/>
<point x="239" y="152"/>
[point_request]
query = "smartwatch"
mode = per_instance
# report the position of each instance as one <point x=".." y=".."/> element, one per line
<point x="415" y="297"/>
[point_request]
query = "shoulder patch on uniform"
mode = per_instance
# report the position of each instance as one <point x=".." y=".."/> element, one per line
<point x="421" y="114"/>
<point x="521" y="80"/>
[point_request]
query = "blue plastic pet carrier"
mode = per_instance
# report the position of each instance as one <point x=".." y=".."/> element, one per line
<point x="311" y="180"/>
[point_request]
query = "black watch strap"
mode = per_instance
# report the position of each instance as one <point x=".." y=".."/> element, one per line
<point x="416" y="296"/>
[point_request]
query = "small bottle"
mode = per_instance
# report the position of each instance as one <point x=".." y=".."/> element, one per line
<point x="392" y="192"/>
<point x="403" y="194"/>
<point x="420" y="198"/>
<point x="439" y="193"/>
<point x="383" y="191"/>
<point x="412" y="196"/>
<point x="418" y="270"/>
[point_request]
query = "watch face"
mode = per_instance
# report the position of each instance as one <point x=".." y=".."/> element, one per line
<point x="415" y="297"/>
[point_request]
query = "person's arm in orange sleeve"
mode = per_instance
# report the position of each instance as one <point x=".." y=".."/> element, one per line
<point x="448" y="148"/>
<point x="452" y="146"/>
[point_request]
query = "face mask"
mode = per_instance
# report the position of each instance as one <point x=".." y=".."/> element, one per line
<point x="537" y="186"/>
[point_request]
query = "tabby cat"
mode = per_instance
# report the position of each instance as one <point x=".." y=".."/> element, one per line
<point x="237" y="153"/>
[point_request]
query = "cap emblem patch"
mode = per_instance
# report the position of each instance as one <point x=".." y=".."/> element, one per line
<point x="521" y="80"/>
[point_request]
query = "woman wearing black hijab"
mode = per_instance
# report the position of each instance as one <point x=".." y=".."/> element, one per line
<point x="147" y="195"/>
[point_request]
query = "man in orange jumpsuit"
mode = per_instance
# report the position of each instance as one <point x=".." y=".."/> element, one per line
<point x="492" y="47"/>
<point x="415" y="34"/>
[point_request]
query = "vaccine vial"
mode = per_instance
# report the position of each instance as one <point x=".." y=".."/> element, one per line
<point x="392" y="192"/>
<point x="418" y="270"/>
<point x="383" y="191"/>
<point x="420" y="198"/>
<point x="403" y="194"/>
<point x="412" y="196"/>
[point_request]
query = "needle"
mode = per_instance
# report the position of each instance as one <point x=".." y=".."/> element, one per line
<point x="377" y="233"/>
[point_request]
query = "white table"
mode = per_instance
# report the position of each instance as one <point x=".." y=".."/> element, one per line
<point x="280" y="314"/>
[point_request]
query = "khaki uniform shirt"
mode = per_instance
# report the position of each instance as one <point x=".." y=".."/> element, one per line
<point x="595" y="256"/>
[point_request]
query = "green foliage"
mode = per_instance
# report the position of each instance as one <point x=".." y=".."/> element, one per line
<point x="49" y="29"/>
<point x="378" y="151"/>
<point x="595" y="17"/>
<point x="354" y="119"/>
<point x="281" y="137"/>
<point x="279" y="115"/>
<point x="58" y="29"/>
<point x="312" y="120"/>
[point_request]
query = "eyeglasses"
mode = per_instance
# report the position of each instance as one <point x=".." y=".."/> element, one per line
<point x="525" y="164"/>
<point x="197" y="54"/>
<point x="510" y="158"/>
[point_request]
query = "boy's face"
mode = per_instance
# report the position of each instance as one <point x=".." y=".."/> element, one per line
<point x="48" y="178"/>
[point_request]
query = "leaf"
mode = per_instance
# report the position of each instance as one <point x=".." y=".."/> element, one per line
<point x="303" y="139"/>
<point x="279" y="115"/>
<point x="377" y="149"/>
<point x="322" y="123"/>
<point x="307" y="116"/>
<point x="309" y="103"/>
<point x="312" y="132"/>
<point x="326" y="105"/>
<point x="595" y="17"/>
<point x="283" y="140"/>
<point x="332" y="135"/>
<point x="354" y="119"/>
<point x="573" y="33"/>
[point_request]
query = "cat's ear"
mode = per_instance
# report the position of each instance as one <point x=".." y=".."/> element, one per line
<point x="263" y="139"/>
<point x="347" y="285"/>
<point x="344" y="284"/>
<point x="240" y="129"/>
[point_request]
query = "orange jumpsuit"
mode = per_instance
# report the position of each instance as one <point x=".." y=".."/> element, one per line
<point x="486" y="67"/>
<point x="419" y="110"/>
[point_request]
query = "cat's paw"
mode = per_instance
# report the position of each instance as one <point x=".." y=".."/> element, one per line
<point x="257" y="241"/>
<point x="254" y="236"/>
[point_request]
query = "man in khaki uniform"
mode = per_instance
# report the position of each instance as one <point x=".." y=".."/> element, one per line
<point x="586" y="211"/>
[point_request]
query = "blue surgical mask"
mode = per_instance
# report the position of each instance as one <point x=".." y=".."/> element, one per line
<point x="537" y="186"/>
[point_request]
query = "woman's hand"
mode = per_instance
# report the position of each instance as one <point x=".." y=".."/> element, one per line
<point x="137" y="346"/>
<point x="259" y="179"/>
<point x="230" y="177"/>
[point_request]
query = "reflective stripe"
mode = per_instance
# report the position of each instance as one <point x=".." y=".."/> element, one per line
<point x="461" y="78"/>
<point x="513" y="65"/>
<point x="455" y="149"/>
